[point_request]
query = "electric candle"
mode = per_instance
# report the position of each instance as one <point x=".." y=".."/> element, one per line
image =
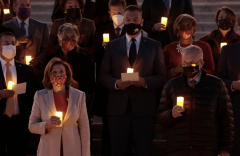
<point x="10" y="85"/>
<point x="28" y="59"/>
<point x="130" y="70"/>
<point x="180" y="101"/>
<point x="223" y="44"/>
<point x="164" y="20"/>
<point x="60" y="115"/>
<point x="105" y="37"/>
<point x="6" y="11"/>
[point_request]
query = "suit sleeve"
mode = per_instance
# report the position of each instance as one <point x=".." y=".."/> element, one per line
<point x="164" y="115"/>
<point x="222" y="71"/>
<point x="105" y="72"/>
<point x="208" y="59"/>
<point x="83" y="126"/>
<point x="189" y="8"/>
<point x="36" y="125"/>
<point x="225" y="119"/>
<point x="147" y="25"/>
<point x="45" y="39"/>
<point x="159" y="77"/>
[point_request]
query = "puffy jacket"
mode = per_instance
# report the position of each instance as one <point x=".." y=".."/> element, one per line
<point x="207" y="122"/>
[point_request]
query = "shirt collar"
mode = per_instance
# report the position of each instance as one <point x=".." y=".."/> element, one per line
<point x="138" y="38"/>
<point x="3" y="62"/>
<point x="26" y="21"/>
<point x="197" y="79"/>
<point x="115" y="26"/>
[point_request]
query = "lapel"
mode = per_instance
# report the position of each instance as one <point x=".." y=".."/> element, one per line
<point x="73" y="97"/>
<point x="236" y="54"/>
<point x="18" y="31"/>
<point x="49" y="99"/>
<point x="141" y="50"/>
<point x="30" y="32"/>
<point x="111" y="30"/>
<point x="2" y="78"/>
<point x="19" y="72"/>
<point x="123" y="50"/>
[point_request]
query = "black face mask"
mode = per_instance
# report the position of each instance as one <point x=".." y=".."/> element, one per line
<point x="132" y="29"/>
<point x="74" y="13"/>
<point x="191" y="71"/>
<point x="225" y="24"/>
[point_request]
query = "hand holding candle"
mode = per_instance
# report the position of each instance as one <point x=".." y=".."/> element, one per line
<point x="60" y="115"/>
<point x="130" y="75"/>
<point x="180" y="101"/>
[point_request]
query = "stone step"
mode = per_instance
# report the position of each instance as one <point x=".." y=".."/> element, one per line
<point x="209" y="16"/>
<point x="214" y="6"/>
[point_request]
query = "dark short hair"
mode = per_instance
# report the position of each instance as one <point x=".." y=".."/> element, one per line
<point x="133" y="8"/>
<point x="7" y="33"/>
<point x="116" y="3"/>
<point x="183" y="18"/>
<point x="48" y="71"/>
<point x="15" y="2"/>
<point x="229" y="12"/>
<point x="63" y="2"/>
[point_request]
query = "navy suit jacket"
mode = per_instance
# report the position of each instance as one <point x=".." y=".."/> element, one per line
<point x="150" y="65"/>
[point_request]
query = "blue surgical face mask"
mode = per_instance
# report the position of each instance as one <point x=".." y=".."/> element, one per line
<point x="24" y="13"/>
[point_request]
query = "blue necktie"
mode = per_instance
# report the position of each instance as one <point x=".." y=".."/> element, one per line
<point x="132" y="52"/>
<point x="167" y="4"/>
<point x="22" y="28"/>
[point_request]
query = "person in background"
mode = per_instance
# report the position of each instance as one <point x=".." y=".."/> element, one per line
<point x="32" y="37"/>
<point x="73" y="14"/>
<point x="154" y="10"/>
<point x="132" y="105"/>
<point x="203" y="125"/>
<point x="14" y="109"/>
<point x="2" y="16"/>
<point x="6" y="5"/>
<point x="229" y="72"/>
<point x="238" y="22"/>
<point x="185" y="27"/>
<point x="68" y="135"/>
<point x="115" y="30"/>
<point x="81" y="63"/>
<point x="225" y="19"/>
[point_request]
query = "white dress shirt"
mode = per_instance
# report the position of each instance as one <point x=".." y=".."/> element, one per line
<point x="129" y="42"/>
<point x="197" y="79"/>
<point x="26" y="26"/>
<point x="14" y="79"/>
<point x="119" y="27"/>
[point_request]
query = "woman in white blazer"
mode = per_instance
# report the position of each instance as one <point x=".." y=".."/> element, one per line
<point x="71" y="136"/>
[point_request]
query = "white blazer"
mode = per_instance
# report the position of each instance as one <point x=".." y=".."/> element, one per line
<point x="75" y="126"/>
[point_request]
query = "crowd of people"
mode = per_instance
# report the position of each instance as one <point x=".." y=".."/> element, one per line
<point x="75" y="72"/>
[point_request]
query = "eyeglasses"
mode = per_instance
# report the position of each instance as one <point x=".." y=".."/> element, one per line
<point x="193" y="64"/>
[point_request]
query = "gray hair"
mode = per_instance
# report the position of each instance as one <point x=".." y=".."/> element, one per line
<point x="68" y="26"/>
<point x="193" y="50"/>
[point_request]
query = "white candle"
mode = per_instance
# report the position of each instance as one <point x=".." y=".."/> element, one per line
<point x="130" y="70"/>
<point x="6" y="11"/>
<point x="164" y="20"/>
<point x="28" y="59"/>
<point x="223" y="44"/>
<point x="10" y="85"/>
<point x="180" y="101"/>
<point x="60" y="115"/>
<point x="105" y="37"/>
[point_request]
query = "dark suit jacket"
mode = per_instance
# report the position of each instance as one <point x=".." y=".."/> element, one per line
<point x="82" y="67"/>
<point x="100" y="99"/>
<point x="229" y="71"/>
<point x="150" y="65"/>
<point x="154" y="10"/>
<point x="38" y="39"/>
<point x="25" y="101"/>
<point x="86" y="29"/>
<point x="101" y="16"/>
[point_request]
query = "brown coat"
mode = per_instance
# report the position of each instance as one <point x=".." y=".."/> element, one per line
<point x="86" y="29"/>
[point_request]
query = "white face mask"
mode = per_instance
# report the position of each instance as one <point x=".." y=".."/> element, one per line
<point x="117" y="19"/>
<point x="9" y="51"/>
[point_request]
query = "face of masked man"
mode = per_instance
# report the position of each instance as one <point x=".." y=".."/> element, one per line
<point x="22" y="9"/>
<point x="116" y="13"/>
<point x="8" y="47"/>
